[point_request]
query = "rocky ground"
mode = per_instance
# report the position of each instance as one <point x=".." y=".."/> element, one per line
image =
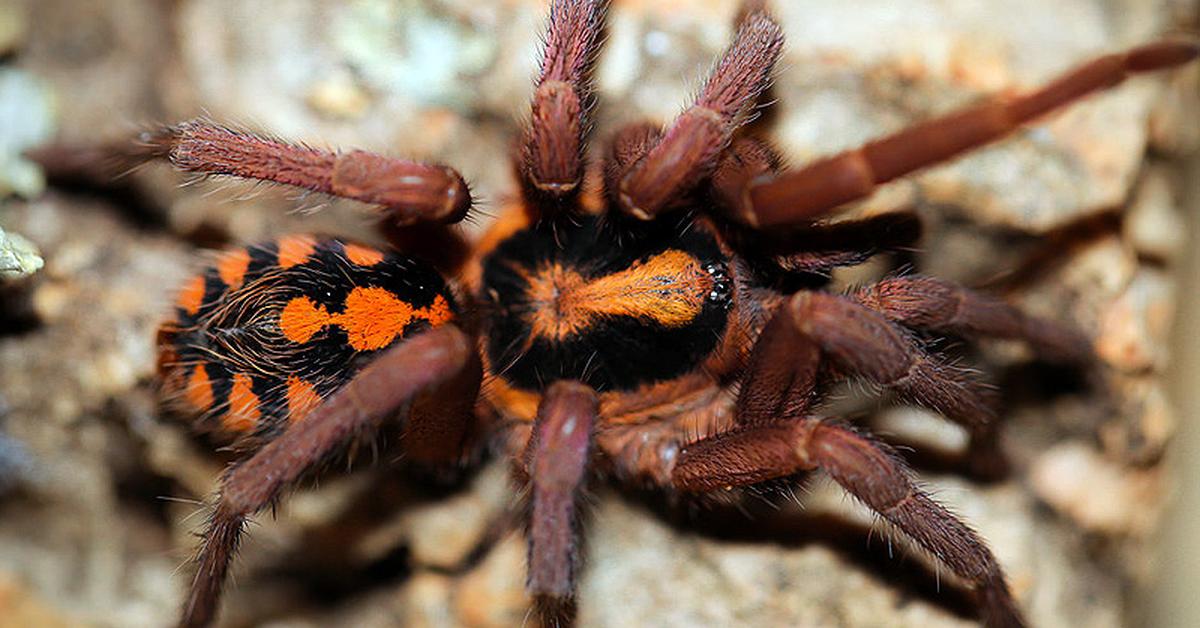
<point x="1075" y="218"/>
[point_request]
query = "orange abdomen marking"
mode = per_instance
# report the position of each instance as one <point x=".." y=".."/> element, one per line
<point x="302" y="397"/>
<point x="198" y="389"/>
<point x="252" y="346"/>
<point x="243" y="413"/>
<point x="295" y="250"/>
<point x="372" y="318"/>
<point x="232" y="266"/>
<point x="191" y="297"/>
<point x="363" y="255"/>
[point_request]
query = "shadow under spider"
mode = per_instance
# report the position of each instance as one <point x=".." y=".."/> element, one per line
<point x="762" y="518"/>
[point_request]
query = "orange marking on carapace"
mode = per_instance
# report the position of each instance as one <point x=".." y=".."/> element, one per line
<point x="231" y="267"/>
<point x="192" y="295"/>
<point x="198" y="390"/>
<point x="301" y="398"/>
<point x="669" y="289"/>
<point x="363" y="255"/>
<point x="372" y="317"/>
<point x="243" y="411"/>
<point x="295" y="250"/>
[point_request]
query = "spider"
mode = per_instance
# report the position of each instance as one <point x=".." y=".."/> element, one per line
<point x="641" y="319"/>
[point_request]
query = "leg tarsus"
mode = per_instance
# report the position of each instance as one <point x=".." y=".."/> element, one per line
<point x="551" y="162"/>
<point x="220" y="543"/>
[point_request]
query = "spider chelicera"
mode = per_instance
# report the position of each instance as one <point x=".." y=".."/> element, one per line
<point x="648" y="327"/>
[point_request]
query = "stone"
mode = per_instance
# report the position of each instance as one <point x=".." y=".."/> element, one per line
<point x="1097" y="494"/>
<point x="18" y="256"/>
<point x="27" y="116"/>
<point x="1153" y="223"/>
<point x="441" y="534"/>
<point x="20" y="607"/>
<point x="489" y="596"/>
<point x="1134" y="328"/>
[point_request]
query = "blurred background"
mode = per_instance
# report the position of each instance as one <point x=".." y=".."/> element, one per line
<point x="1082" y="218"/>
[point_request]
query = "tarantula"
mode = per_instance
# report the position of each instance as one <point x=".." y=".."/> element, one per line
<point x="651" y="330"/>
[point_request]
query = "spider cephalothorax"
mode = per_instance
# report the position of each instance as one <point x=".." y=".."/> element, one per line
<point x="650" y="326"/>
<point x="566" y="302"/>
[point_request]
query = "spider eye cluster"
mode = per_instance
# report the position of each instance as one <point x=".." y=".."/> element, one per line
<point x="722" y="289"/>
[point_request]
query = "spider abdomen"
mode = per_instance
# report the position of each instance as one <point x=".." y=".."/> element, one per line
<point x="565" y="304"/>
<point x="265" y="332"/>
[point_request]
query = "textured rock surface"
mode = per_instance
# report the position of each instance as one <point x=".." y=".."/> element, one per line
<point x="99" y="519"/>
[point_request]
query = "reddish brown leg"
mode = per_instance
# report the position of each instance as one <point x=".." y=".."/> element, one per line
<point x="938" y="305"/>
<point x="801" y="195"/>
<point x="629" y="144"/>
<point x="860" y="342"/>
<point x="815" y="248"/>
<point x="689" y="149"/>
<point x="551" y="164"/>
<point x="376" y="393"/>
<point x="557" y="457"/>
<point x="863" y="343"/>
<point x="867" y="469"/>
<point x="781" y="379"/>
<point x="818" y="249"/>
<point x="407" y="191"/>
<point x="747" y="159"/>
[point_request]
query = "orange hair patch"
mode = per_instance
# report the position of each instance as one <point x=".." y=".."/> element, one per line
<point x="192" y="295"/>
<point x="302" y="397"/>
<point x="301" y="319"/>
<point x="295" y="250"/>
<point x="372" y="318"/>
<point x="243" y="413"/>
<point x="669" y="288"/>
<point x="232" y="265"/>
<point x="362" y="255"/>
<point x="198" y="391"/>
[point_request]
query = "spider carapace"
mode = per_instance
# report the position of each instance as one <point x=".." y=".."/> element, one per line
<point x="653" y="327"/>
<point x="630" y="315"/>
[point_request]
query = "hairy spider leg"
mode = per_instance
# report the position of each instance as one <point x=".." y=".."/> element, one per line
<point x="675" y="162"/>
<point x="802" y="195"/>
<point x="408" y="192"/>
<point x="557" y="458"/>
<point x="551" y="161"/>
<point x="868" y="470"/>
<point x="932" y="304"/>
